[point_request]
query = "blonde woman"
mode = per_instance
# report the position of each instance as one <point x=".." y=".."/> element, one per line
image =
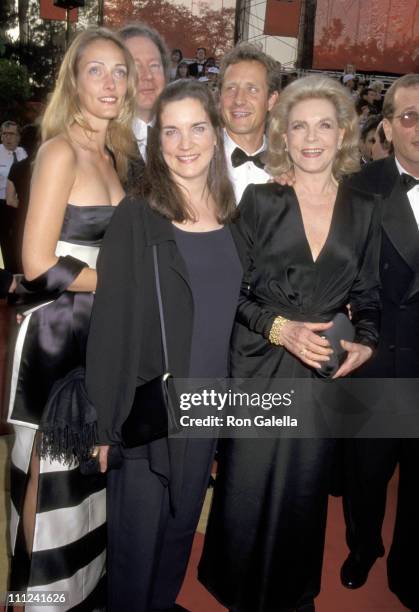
<point x="313" y="248"/>
<point x="58" y="515"/>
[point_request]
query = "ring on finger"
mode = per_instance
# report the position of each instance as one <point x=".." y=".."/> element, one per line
<point x="303" y="352"/>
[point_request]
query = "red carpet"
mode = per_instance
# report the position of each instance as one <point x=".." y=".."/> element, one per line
<point x="373" y="597"/>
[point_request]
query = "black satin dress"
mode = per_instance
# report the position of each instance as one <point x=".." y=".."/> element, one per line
<point x="264" y="542"/>
<point x="70" y="528"/>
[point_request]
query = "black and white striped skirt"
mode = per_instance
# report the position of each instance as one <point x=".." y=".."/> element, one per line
<point x="69" y="542"/>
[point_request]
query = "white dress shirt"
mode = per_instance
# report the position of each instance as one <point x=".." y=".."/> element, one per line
<point x="6" y="160"/>
<point x="412" y="194"/>
<point x="140" y="129"/>
<point x="247" y="173"/>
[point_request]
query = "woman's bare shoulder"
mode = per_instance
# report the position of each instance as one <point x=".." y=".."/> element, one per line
<point x="57" y="151"/>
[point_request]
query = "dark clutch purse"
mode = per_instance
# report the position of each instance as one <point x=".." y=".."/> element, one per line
<point x="155" y="410"/>
<point x="342" y="330"/>
<point x="154" y="413"/>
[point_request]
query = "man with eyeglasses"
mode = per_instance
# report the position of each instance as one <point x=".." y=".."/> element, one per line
<point x="371" y="463"/>
<point x="10" y="152"/>
<point x="153" y="64"/>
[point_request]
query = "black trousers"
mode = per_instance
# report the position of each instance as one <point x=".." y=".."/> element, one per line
<point x="148" y="547"/>
<point x="369" y="465"/>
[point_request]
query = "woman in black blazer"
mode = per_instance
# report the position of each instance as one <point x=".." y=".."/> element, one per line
<point x="312" y="249"/>
<point x="185" y="205"/>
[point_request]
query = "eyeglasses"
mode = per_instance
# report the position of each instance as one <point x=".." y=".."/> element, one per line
<point x="408" y="119"/>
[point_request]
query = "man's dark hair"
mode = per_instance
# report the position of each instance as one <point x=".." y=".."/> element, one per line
<point x="142" y="30"/>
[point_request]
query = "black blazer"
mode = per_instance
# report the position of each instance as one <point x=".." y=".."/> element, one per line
<point x="398" y="348"/>
<point x="124" y="347"/>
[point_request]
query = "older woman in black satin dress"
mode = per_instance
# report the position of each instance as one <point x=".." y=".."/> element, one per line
<point x="313" y="248"/>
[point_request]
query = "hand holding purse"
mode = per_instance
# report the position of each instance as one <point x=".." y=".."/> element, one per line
<point x="342" y="330"/>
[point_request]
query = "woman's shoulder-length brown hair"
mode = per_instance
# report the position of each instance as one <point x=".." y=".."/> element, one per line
<point x="158" y="185"/>
<point x="306" y="88"/>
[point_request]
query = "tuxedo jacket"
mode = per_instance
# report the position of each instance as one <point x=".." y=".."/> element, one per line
<point x="398" y="348"/>
<point x="193" y="69"/>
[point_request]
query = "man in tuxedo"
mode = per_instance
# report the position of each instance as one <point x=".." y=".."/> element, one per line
<point x="371" y="463"/>
<point x="248" y="82"/>
<point x="151" y="58"/>
<point x="197" y="68"/>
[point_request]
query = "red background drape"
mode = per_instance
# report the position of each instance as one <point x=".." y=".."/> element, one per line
<point x="378" y="35"/>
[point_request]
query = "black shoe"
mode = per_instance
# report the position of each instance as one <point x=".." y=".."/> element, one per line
<point x="178" y="608"/>
<point x="354" y="573"/>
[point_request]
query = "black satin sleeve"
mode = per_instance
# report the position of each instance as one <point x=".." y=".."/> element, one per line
<point x="51" y="283"/>
<point x="365" y="292"/>
<point x="249" y="313"/>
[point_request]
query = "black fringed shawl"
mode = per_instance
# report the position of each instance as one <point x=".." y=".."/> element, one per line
<point x="68" y="422"/>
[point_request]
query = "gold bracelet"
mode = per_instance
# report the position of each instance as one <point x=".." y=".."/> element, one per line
<point x="275" y="332"/>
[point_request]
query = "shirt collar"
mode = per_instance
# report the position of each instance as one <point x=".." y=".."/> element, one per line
<point x="230" y="145"/>
<point x="8" y="151"/>
<point x="139" y="127"/>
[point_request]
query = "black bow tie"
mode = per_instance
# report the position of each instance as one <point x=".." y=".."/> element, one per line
<point x="409" y="181"/>
<point x="239" y="157"/>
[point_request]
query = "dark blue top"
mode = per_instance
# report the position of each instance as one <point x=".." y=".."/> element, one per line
<point x="215" y="275"/>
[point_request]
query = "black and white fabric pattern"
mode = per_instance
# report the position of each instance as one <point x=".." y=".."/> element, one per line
<point x="69" y="543"/>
